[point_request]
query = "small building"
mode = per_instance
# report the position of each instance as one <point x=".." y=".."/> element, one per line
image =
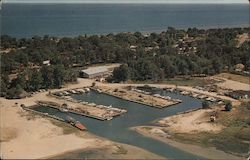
<point x="95" y="72"/>
<point x="46" y="63"/>
<point x="239" y="67"/>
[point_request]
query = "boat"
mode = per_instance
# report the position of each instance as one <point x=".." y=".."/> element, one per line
<point x="63" y="110"/>
<point x="109" y="118"/>
<point x="80" y="126"/>
<point x="70" y="120"/>
<point x="87" y="89"/>
<point x="99" y="91"/>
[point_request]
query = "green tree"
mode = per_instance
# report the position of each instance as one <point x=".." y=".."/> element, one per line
<point x="35" y="80"/>
<point x="58" y="76"/>
<point x="47" y="76"/>
<point x="121" y="73"/>
<point x="3" y="85"/>
<point x="14" y="92"/>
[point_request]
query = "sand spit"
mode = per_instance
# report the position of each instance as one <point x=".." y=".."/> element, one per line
<point x="209" y="153"/>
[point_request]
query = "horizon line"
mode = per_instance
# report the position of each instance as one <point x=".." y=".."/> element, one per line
<point x="91" y="2"/>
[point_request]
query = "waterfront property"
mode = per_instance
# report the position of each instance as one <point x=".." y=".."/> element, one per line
<point x="94" y="72"/>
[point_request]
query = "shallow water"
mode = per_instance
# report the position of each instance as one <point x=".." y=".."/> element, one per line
<point x="118" y="128"/>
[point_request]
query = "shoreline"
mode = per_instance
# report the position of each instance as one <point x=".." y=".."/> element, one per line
<point x="114" y="151"/>
<point x="210" y="152"/>
<point x="25" y="126"/>
<point x="143" y="31"/>
<point x="31" y="136"/>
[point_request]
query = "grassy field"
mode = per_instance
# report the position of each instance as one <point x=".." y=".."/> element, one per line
<point x="177" y="81"/>
<point x="235" y="138"/>
<point x="186" y="82"/>
<point x="235" y="77"/>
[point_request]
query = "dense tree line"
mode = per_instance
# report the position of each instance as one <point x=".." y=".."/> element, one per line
<point x="153" y="57"/>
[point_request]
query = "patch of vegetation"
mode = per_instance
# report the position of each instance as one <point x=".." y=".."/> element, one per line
<point x="67" y="128"/>
<point x="228" y="106"/>
<point x="234" y="138"/>
<point x="235" y="77"/>
<point x="231" y="145"/>
<point x="185" y="81"/>
<point x="175" y="81"/>
<point x="205" y="104"/>
<point x="120" y="150"/>
<point x="49" y="62"/>
<point x="146" y="128"/>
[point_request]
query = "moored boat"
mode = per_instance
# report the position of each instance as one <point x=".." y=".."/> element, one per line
<point x="80" y="126"/>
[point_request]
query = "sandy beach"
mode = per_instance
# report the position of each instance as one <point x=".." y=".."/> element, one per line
<point x="28" y="136"/>
<point x="192" y="122"/>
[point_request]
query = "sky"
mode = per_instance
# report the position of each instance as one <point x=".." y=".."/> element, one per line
<point x="126" y="1"/>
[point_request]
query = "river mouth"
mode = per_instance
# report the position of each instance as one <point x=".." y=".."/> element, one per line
<point x="119" y="130"/>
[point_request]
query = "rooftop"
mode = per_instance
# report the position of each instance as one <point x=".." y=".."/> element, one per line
<point x="94" y="70"/>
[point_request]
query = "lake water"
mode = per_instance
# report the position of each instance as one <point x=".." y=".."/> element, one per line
<point x="118" y="128"/>
<point x="26" y="20"/>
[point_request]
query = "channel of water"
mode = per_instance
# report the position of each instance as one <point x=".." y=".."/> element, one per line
<point x="118" y="128"/>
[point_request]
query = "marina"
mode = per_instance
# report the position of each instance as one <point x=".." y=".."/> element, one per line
<point x="118" y="129"/>
<point x="109" y="113"/>
<point x="122" y="79"/>
<point x="139" y="96"/>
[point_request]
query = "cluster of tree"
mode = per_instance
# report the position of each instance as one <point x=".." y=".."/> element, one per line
<point x="32" y="80"/>
<point x="151" y="57"/>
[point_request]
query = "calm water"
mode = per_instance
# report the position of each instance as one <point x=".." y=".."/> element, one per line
<point x="25" y="20"/>
<point x="118" y="128"/>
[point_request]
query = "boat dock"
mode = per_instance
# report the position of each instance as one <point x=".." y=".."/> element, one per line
<point x="107" y="114"/>
<point x="138" y="96"/>
<point x="77" y="124"/>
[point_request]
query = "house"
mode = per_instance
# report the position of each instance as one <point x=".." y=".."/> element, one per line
<point x="46" y="63"/>
<point x="95" y="72"/>
<point x="133" y="48"/>
<point x="239" y="67"/>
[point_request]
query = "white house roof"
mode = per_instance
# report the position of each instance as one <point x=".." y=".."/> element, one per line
<point x="46" y="62"/>
<point x="95" y="70"/>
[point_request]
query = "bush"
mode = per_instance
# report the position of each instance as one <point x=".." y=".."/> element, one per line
<point x="228" y="106"/>
<point x="248" y="105"/>
<point x="109" y="79"/>
<point x="205" y="105"/>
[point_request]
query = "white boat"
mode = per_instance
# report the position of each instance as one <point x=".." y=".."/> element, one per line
<point x="63" y="110"/>
<point x="87" y="89"/>
<point x="99" y="91"/>
<point x="109" y="118"/>
<point x="109" y="106"/>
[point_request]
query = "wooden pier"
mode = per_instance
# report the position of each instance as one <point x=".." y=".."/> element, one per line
<point x="74" y="112"/>
<point x="134" y="101"/>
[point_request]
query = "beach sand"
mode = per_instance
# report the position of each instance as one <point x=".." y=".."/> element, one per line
<point x="25" y="135"/>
